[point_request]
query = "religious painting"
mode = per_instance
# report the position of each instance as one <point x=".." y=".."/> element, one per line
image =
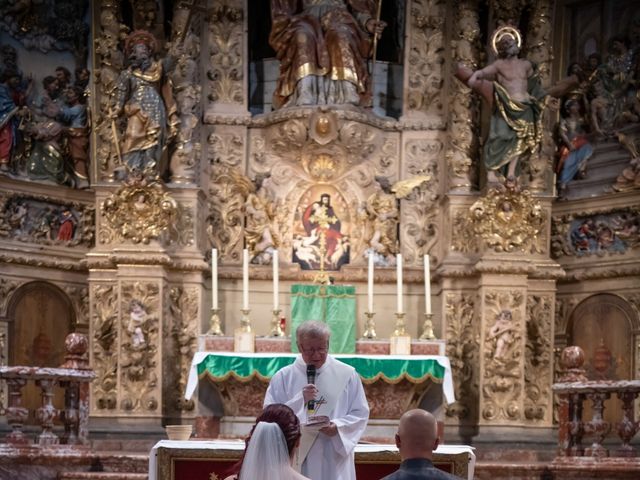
<point x="322" y="225"/>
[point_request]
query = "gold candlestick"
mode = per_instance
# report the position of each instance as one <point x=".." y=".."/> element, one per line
<point x="401" y="327"/>
<point x="276" y="329"/>
<point x="214" y="324"/>
<point x="369" y="326"/>
<point x="427" y="327"/>
<point x="245" y="321"/>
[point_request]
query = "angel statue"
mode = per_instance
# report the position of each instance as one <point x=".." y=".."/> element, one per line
<point x="381" y="210"/>
<point x="261" y="230"/>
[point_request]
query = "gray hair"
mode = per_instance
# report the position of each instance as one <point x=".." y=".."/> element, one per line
<point x="312" y="329"/>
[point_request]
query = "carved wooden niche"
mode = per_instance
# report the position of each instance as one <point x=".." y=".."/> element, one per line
<point x="603" y="326"/>
<point x="40" y="317"/>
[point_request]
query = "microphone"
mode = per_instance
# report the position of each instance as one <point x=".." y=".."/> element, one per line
<point x="311" y="378"/>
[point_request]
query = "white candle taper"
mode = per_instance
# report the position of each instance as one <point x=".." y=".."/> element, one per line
<point x="399" y="275"/>
<point x="214" y="278"/>
<point x="245" y="279"/>
<point x="370" y="284"/>
<point x="275" y="280"/>
<point x="427" y="285"/>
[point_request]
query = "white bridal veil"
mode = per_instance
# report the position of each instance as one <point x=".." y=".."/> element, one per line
<point x="267" y="456"/>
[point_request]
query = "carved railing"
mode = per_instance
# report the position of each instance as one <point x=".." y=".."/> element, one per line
<point x="572" y="391"/>
<point x="73" y="376"/>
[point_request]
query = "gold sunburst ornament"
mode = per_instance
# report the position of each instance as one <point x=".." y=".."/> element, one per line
<point x="502" y="32"/>
<point x="140" y="212"/>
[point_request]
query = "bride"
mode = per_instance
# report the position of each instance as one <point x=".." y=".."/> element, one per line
<point x="271" y="445"/>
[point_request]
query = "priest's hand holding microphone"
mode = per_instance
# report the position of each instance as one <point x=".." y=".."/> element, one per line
<point x="309" y="393"/>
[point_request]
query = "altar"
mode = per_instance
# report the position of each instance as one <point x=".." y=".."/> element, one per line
<point x="392" y="384"/>
<point x="206" y="460"/>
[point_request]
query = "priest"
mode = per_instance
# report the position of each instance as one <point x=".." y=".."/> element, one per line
<point x="329" y="400"/>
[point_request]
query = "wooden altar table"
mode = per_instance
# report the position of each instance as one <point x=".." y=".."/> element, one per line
<point x="204" y="460"/>
<point x="393" y="384"/>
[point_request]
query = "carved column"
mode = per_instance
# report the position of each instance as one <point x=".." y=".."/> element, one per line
<point x="463" y="150"/>
<point x="503" y="292"/>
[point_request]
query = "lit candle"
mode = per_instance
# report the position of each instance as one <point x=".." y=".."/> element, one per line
<point x="370" y="284"/>
<point x="399" y="275"/>
<point x="275" y="280"/>
<point x="214" y="278"/>
<point x="245" y="279"/>
<point x="427" y="285"/>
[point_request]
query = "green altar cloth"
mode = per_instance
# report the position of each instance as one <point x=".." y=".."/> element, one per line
<point x="334" y="305"/>
<point x="370" y="369"/>
<point x="221" y="367"/>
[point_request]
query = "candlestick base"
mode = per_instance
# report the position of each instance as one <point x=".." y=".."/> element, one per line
<point x="322" y="278"/>
<point x="369" y="327"/>
<point x="401" y="326"/>
<point x="427" y="327"/>
<point x="214" y="324"/>
<point x="276" y="329"/>
<point x="245" y="321"/>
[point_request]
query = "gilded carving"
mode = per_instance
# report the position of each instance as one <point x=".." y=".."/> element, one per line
<point x="227" y="193"/>
<point x="182" y="232"/>
<point x="104" y="353"/>
<point x="140" y="305"/>
<point x="7" y="289"/>
<point x="79" y="297"/>
<point x="426" y="56"/>
<point x="140" y="212"/>
<point x="26" y="22"/>
<point x="42" y="220"/>
<point x="463" y="352"/>
<point x="503" y="356"/>
<point x="289" y="136"/>
<point x="187" y="92"/>
<point x="184" y="316"/>
<point x="463" y="144"/>
<point x="419" y="227"/>
<point x="225" y="38"/>
<point x="629" y="178"/>
<point x="503" y="221"/>
<point x="508" y="10"/>
<point x="538" y="358"/>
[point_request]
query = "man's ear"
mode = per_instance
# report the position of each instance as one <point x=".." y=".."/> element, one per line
<point x="398" y="441"/>
<point x="436" y="443"/>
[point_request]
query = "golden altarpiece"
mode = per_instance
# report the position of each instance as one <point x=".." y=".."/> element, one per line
<point x="240" y="170"/>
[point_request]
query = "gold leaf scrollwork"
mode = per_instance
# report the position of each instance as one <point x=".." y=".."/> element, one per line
<point x="140" y="212"/>
<point x="506" y="221"/>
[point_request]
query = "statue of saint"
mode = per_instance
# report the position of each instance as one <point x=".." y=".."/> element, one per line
<point x="511" y="86"/>
<point x="323" y="47"/>
<point x="516" y="128"/>
<point x="575" y="149"/>
<point x="144" y="96"/>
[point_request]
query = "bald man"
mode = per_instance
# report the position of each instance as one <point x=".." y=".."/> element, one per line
<point x="416" y="439"/>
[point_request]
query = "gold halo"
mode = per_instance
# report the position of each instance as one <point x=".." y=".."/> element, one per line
<point x="503" y="32"/>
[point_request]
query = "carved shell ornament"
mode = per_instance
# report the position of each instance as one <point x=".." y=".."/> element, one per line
<point x="507" y="221"/>
<point x="140" y="212"/>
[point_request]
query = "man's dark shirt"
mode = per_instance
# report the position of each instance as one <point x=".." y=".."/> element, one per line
<point x="419" y="469"/>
